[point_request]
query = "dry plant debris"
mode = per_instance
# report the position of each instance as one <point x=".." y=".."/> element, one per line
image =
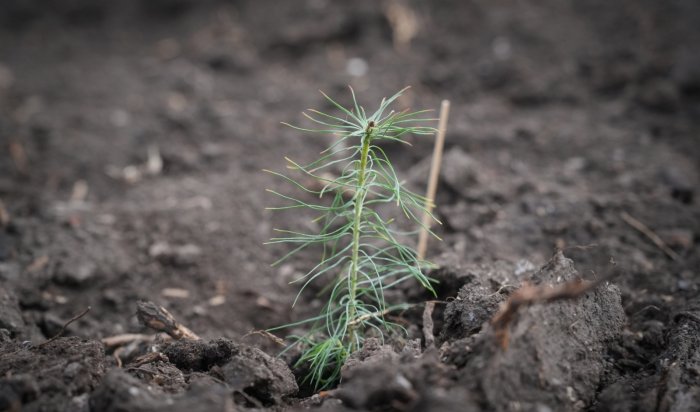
<point x="531" y="294"/>
<point x="159" y="319"/>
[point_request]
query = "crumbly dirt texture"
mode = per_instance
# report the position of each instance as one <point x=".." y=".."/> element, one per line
<point x="132" y="138"/>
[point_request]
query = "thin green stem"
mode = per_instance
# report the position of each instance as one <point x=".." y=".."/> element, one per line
<point x="360" y="194"/>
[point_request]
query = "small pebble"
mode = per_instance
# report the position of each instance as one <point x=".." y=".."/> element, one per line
<point x="357" y="67"/>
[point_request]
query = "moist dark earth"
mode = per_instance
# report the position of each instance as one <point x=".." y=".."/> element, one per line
<point x="133" y="135"/>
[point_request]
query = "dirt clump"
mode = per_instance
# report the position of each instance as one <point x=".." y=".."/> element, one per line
<point x="482" y="289"/>
<point x="199" y="356"/>
<point x="671" y="382"/>
<point x="54" y="376"/>
<point x="121" y="392"/>
<point x="244" y="369"/>
<point x="162" y="375"/>
<point x="378" y="378"/>
<point x="565" y="342"/>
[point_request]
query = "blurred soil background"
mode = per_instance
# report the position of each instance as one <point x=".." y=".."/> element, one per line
<point x="132" y="138"/>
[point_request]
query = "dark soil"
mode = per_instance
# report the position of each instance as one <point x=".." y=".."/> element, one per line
<point x="133" y="133"/>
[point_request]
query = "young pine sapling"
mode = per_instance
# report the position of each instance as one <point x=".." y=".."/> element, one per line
<point x="362" y="255"/>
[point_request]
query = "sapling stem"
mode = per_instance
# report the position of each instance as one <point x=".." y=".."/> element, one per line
<point x="362" y="256"/>
<point x="360" y="194"/>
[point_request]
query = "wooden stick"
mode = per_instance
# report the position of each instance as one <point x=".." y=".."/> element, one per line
<point x="433" y="179"/>
<point x="428" y="324"/>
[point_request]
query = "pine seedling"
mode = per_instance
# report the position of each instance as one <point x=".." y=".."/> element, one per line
<point x="362" y="255"/>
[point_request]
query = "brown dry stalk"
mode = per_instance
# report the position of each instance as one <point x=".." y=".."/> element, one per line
<point x="433" y="179"/>
<point x="123" y="339"/>
<point x="118" y="356"/>
<point x="529" y="294"/>
<point x="643" y="229"/>
<point x="159" y="319"/>
<point x="428" y="324"/>
<point x="367" y="316"/>
<point x="267" y="335"/>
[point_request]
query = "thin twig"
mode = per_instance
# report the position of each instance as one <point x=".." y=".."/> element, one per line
<point x="433" y="179"/>
<point x="366" y="316"/>
<point x="117" y="356"/>
<point x="119" y="340"/>
<point x="428" y="324"/>
<point x="644" y="309"/>
<point x="65" y="325"/>
<point x="386" y="311"/>
<point x="643" y="229"/>
<point x="265" y="334"/>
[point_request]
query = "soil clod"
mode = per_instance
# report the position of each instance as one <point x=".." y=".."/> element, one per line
<point x="48" y="377"/>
